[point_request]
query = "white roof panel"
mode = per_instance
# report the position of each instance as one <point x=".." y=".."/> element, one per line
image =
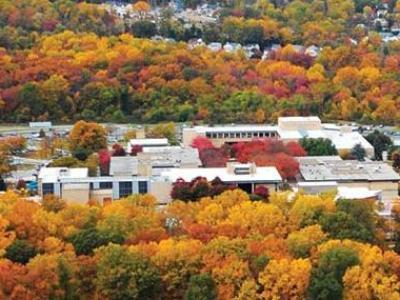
<point x="262" y="174"/>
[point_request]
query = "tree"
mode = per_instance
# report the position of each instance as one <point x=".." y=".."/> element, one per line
<point x="301" y="242"/>
<point x="3" y="186"/>
<point x="318" y="147"/>
<point x="118" y="150"/>
<point x="52" y="203"/>
<point x="396" y="160"/>
<point x="327" y="277"/>
<point x="213" y="157"/>
<point x="87" y="137"/>
<point x="86" y="240"/>
<point x="135" y="149"/>
<point x="284" y="279"/>
<point x="5" y="164"/>
<point x="20" y="251"/>
<point x="358" y="152"/>
<point x="163" y="130"/>
<point x="295" y="149"/>
<point x="201" y="287"/>
<point x="380" y="142"/>
<point x="201" y="143"/>
<point x="122" y="274"/>
<point x="104" y="162"/>
<point x="141" y="7"/>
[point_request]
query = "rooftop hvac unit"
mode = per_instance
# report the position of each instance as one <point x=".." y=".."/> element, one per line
<point x="242" y="170"/>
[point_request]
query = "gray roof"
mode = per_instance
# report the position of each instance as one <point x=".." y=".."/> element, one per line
<point x="346" y="170"/>
<point x="123" y="165"/>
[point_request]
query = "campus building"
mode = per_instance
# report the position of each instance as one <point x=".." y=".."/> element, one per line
<point x="220" y="135"/>
<point x="74" y="184"/>
<point x="244" y="176"/>
<point x="288" y="129"/>
<point x="317" y="172"/>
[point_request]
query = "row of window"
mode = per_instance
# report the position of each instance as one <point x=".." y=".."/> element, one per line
<point x="241" y="135"/>
<point x="125" y="187"/>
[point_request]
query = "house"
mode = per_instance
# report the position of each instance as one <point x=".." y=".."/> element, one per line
<point x="232" y="47"/>
<point x="244" y="176"/>
<point x="215" y="47"/>
<point x="313" y="51"/>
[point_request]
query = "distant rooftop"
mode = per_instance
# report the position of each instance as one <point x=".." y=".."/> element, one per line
<point x="54" y="174"/>
<point x="235" y="128"/>
<point x="149" y="142"/>
<point x="261" y="175"/>
<point x="123" y="165"/>
<point x="346" y="170"/>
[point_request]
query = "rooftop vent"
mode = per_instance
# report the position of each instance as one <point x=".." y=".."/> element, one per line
<point x="242" y="170"/>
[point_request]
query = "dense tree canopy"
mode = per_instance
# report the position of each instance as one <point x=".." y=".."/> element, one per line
<point x="220" y="247"/>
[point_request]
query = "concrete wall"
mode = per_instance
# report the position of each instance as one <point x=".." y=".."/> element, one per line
<point x="188" y="135"/>
<point x="161" y="190"/>
<point x="75" y="192"/>
<point x="389" y="189"/>
<point x="285" y="124"/>
<point x="100" y="195"/>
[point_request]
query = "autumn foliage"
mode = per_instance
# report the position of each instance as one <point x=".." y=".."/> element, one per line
<point x="271" y="152"/>
<point x="227" y="244"/>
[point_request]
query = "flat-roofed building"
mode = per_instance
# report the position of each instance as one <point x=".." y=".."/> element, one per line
<point x="161" y="142"/>
<point x="353" y="174"/>
<point x="220" y="135"/>
<point x="288" y="129"/>
<point x="244" y="176"/>
<point x="154" y="160"/>
<point x="74" y="185"/>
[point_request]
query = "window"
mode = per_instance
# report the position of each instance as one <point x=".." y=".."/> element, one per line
<point x="105" y="185"/>
<point x="91" y="187"/>
<point x="47" y="188"/>
<point x="208" y="135"/>
<point x="142" y="187"/>
<point x="125" y="189"/>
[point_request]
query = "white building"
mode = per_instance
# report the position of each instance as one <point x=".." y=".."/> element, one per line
<point x="161" y="142"/>
<point x="244" y="176"/>
<point x="288" y="129"/>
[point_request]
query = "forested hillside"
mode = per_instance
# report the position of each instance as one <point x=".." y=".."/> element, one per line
<point x="65" y="61"/>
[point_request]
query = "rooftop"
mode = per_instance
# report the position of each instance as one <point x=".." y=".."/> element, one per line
<point x="123" y="165"/>
<point x="261" y="174"/>
<point x="346" y="170"/>
<point x="234" y="128"/>
<point x="149" y="142"/>
<point x="54" y="174"/>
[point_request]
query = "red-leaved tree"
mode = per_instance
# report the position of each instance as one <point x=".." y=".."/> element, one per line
<point x="118" y="150"/>
<point x="201" y="143"/>
<point x="104" y="162"/>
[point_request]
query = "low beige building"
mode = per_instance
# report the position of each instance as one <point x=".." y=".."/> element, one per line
<point x="288" y="129"/>
<point x="372" y="175"/>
